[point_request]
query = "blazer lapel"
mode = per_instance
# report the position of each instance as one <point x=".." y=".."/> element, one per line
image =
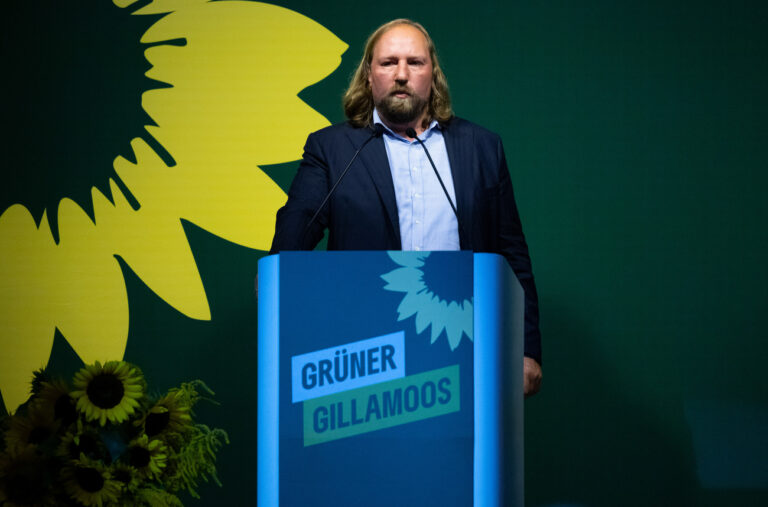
<point x="459" y="150"/>
<point x="374" y="158"/>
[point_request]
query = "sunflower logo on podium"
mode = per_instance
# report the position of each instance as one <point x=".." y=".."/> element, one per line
<point x="435" y="304"/>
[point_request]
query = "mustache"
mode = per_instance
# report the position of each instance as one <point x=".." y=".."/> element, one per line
<point x="400" y="89"/>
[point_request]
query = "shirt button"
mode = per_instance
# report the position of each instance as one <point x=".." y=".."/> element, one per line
<point x="418" y="221"/>
<point x="417" y="248"/>
<point x="417" y="195"/>
<point x="414" y="169"/>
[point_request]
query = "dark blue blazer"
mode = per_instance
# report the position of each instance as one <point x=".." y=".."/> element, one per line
<point x="362" y="213"/>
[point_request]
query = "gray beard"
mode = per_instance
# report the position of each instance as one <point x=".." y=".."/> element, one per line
<point x="401" y="111"/>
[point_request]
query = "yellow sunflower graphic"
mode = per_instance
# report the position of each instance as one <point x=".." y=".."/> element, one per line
<point x="230" y="106"/>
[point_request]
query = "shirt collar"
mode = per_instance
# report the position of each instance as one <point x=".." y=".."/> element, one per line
<point x="424" y="135"/>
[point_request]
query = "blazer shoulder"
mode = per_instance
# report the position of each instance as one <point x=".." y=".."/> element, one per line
<point x="461" y="127"/>
<point x="337" y="130"/>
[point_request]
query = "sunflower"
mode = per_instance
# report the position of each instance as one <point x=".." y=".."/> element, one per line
<point x="147" y="456"/>
<point x="55" y="396"/>
<point x="110" y="392"/>
<point x="25" y="478"/>
<point x="82" y="439"/>
<point x="169" y="414"/>
<point x="127" y="476"/>
<point x="89" y="482"/>
<point x="38" y="377"/>
<point x="36" y="428"/>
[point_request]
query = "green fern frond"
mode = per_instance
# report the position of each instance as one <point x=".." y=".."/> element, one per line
<point x="189" y="393"/>
<point x="196" y="460"/>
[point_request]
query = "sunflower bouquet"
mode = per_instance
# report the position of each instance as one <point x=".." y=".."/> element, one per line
<point x="104" y="441"/>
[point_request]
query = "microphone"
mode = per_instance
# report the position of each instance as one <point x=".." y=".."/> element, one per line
<point x="377" y="131"/>
<point x="410" y="132"/>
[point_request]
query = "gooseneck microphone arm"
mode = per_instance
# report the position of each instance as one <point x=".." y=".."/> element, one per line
<point x="377" y="131"/>
<point x="410" y="132"/>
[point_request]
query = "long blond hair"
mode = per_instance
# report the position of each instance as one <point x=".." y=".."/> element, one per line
<point x="358" y="99"/>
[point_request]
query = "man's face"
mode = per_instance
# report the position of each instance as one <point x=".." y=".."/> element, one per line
<point x="401" y="75"/>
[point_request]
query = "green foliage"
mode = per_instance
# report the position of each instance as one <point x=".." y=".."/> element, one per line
<point x="197" y="460"/>
<point x="154" y="497"/>
<point x="189" y="393"/>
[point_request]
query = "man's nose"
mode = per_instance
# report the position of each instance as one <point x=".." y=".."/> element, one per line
<point x="401" y="75"/>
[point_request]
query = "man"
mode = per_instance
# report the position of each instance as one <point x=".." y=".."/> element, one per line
<point x="392" y="199"/>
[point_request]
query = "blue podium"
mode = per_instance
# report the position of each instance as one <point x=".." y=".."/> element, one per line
<point x="389" y="379"/>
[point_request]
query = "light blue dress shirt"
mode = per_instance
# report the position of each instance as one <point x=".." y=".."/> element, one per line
<point x="427" y="221"/>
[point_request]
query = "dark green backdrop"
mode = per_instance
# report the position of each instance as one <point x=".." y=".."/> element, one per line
<point x="636" y="138"/>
